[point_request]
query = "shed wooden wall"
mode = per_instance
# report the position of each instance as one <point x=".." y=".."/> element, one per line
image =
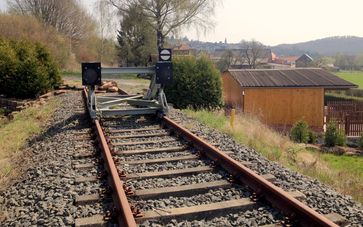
<point x="285" y="106"/>
<point x="232" y="92"/>
<point x="277" y="106"/>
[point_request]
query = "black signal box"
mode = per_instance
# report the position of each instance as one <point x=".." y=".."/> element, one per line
<point x="91" y="74"/>
<point x="164" y="73"/>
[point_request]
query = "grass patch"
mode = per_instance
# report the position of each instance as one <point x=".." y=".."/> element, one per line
<point x="343" y="173"/>
<point x="71" y="73"/>
<point x="247" y="130"/>
<point x="345" y="163"/>
<point x="78" y="74"/>
<point x="13" y="135"/>
<point x="355" y="77"/>
<point x="127" y="82"/>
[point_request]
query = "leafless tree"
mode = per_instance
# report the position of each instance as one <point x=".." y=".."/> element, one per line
<point x="66" y="16"/>
<point x="167" y="16"/>
<point x="105" y="17"/>
<point x="253" y="51"/>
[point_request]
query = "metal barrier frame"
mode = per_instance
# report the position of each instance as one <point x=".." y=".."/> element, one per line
<point x="153" y="102"/>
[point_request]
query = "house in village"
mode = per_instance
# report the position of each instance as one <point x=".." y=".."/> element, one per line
<point x="287" y="61"/>
<point x="304" y="61"/>
<point x="281" y="97"/>
<point x="184" y="50"/>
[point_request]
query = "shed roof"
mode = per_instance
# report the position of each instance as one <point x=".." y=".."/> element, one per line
<point x="305" y="57"/>
<point x="300" y="77"/>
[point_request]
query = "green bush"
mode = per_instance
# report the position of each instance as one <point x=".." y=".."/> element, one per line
<point x="313" y="138"/>
<point x="342" y="139"/>
<point x="8" y="66"/>
<point x="334" y="136"/>
<point x="360" y="141"/>
<point x="27" y="70"/>
<point x="196" y="84"/>
<point x="300" y="132"/>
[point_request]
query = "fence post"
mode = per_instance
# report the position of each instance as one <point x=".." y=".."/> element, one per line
<point x="347" y="124"/>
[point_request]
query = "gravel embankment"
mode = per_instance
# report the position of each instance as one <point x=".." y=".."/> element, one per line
<point x="44" y="194"/>
<point x="319" y="196"/>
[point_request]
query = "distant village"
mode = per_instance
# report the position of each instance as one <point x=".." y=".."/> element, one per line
<point x="248" y="57"/>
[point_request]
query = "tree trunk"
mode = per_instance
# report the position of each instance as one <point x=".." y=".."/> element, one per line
<point x="160" y="39"/>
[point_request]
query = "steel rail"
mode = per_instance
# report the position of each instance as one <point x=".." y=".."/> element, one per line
<point x="125" y="216"/>
<point x="293" y="208"/>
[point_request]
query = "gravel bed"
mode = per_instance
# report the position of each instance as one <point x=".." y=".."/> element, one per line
<point x="93" y="209"/>
<point x="265" y="215"/>
<point x="212" y="196"/>
<point x="89" y="172"/>
<point x="119" y="124"/>
<point x="175" y="181"/>
<point x="319" y="196"/>
<point x="84" y="161"/>
<point x="156" y="155"/>
<point x="44" y="193"/>
<point x="87" y="188"/>
<point x="164" y="166"/>
<point x="84" y="150"/>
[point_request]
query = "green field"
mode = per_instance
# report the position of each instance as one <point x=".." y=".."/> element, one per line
<point x="355" y="77"/>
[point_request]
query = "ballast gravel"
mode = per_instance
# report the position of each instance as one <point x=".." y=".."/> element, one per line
<point x="175" y="181"/>
<point x="164" y="166"/>
<point x="44" y="194"/>
<point x="157" y="155"/>
<point x="319" y="196"/>
<point x="264" y="215"/>
<point x="148" y="146"/>
<point x="213" y="196"/>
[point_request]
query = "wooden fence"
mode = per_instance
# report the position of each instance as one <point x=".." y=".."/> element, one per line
<point x="354" y="124"/>
<point x="348" y="115"/>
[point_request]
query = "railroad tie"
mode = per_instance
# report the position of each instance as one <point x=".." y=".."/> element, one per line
<point x="95" y="220"/>
<point x="140" y="135"/>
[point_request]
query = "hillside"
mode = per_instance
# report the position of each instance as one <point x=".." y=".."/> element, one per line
<point x="347" y="45"/>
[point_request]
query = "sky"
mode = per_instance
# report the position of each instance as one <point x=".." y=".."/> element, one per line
<point x="278" y="21"/>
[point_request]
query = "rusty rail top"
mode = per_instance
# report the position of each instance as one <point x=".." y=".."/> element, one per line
<point x="279" y="198"/>
<point x="124" y="214"/>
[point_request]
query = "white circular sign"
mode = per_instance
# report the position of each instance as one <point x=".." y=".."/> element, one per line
<point x="165" y="55"/>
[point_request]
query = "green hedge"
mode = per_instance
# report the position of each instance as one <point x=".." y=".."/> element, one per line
<point x="26" y="69"/>
<point x="196" y="84"/>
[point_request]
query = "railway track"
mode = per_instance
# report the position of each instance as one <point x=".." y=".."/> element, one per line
<point x="159" y="173"/>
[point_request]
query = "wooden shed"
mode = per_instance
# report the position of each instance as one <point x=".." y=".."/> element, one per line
<point x="280" y="97"/>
